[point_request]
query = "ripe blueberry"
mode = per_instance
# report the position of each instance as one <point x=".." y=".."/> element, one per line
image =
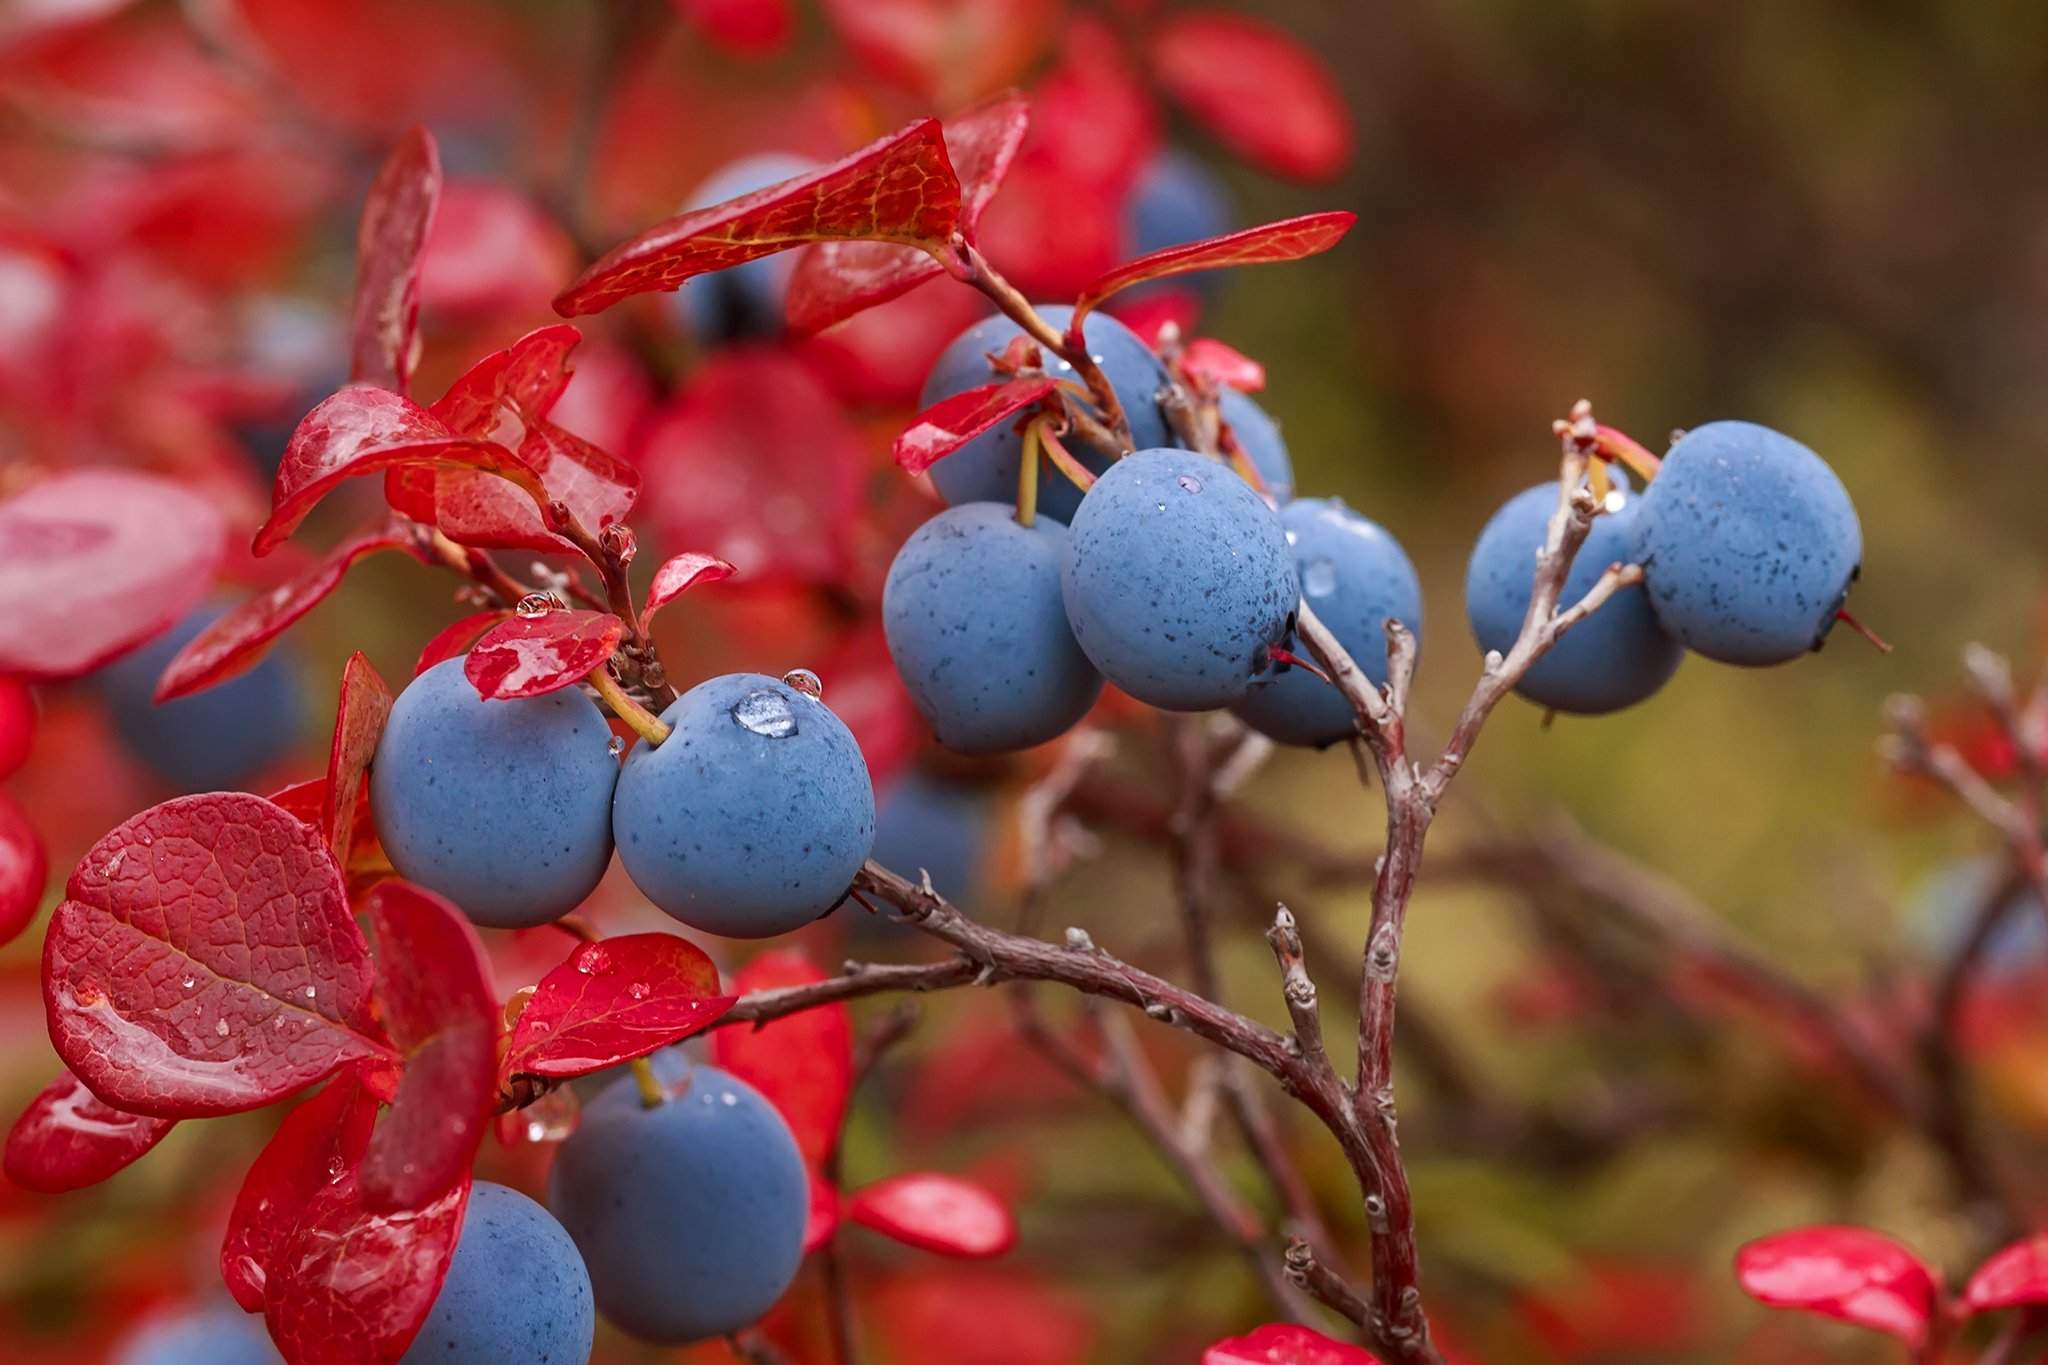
<point x="215" y="1333"/>
<point x="516" y="1290"/>
<point x="1259" y="437"/>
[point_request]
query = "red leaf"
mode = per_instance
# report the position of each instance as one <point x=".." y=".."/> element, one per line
<point x="1851" y="1274"/>
<point x="317" y="1144"/>
<point x="821" y="1221"/>
<point x="946" y="51"/>
<point x="457" y="638"/>
<point x="2012" y="1277"/>
<point x="899" y="189"/>
<point x="1286" y="1344"/>
<point x="936" y="1212"/>
<point x="531" y="656"/>
<point x="835" y="280"/>
<point x="383" y="337"/>
<point x="614" y="1001"/>
<point x="1257" y="89"/>
<point x="24" y="870"/>
<point x="234" y="643"/>
<point x="94" y="562"/>
<point x="1220" y="365"/>
<point x="802" y="1062"/>
<point x="205" y="961"/>
<point x="358" y="724"/>
<point x="68" y="1138"/>
<point x="362" y="430"/>
<point x="511" y="387"/>
<point x="678" y="575"/>
<point x="748" y="27"/>
<point x="950" y="423"/>
<point x="492" y="253"/>
<point x="1290" y="239"/>
<point x="442" y="1010"/>
<point x="303" y="800"/>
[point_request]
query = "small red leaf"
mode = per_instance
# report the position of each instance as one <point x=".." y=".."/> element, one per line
<point x="1290" y="239"/>
<point x="68" y="1138"/>
<point x="899" y="189"/>
<point x="614" y="1001"/>
<point x="1220" y="365"/>
<point x="24" y="870"/>
<point x="802" y="1062"/>
<point x="936" y="1212"/>
<point x="678" y="575"/>
<point x="94" y="562"/>
<point x="435" y="986"/>
<point x="205" y="961"/>
<point x="235" y="641"/>
<point x="358" y="724"/>
<point x="1257" y="89"/>
<point x="531" y="656"/>
<point x="303" y="800"/>
<point x="383" y="337"/>
<point x="510" y="387"/>
<point x="1286" y="1344"/>
<point x="950" y="423"/>
<point x="318" y="1142"/>
<point x="363" y="430"/>
<point x="457" y="638"/>
<point x="2009" y="1278"/>
<point x="821" y="1221"/>
<point x="1851" y="1274"/>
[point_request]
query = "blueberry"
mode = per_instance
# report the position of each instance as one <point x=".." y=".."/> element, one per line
<point x="1177" y="580"/>
<point x="1259" y="437"/>
<point x="1615" y="657"/>
<point x="504" y="807"/>
<point x="213" y="740"/>
<point x="1355" y="576"/>
<point x="751" y="818"/>
<point x="744" y="300"/>
<point x="985" y="469"/>
<point x="1177" y="199"/>
<point x="1748" y="544"/>
<point x="975" y="624"/>
<point x="516" y="1290"/>
<point x="690" y="1215"/>
<point x="941" y="826"/>
<point x="215" y="1333"/>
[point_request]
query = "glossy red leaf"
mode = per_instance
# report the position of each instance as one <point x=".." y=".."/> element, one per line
<point x="363" y="430"/>
<point x="950" y="423"/>
<point x="1851" y="1274"/>
<point x="318" y="1142"/>
<point x="2011" y="1277"/>
<point x="455" y="639"/>
<point x="94" y="562"/>
<point x="234" y="642"/>
<point x="69" y="1138"/>
<point x="678" y="575"/>
<point x="821" y="1220"/>
<point x="498" y="395"/>
<point x="359" y="718"/>
<point x="204" y="961"/>
<point x="1220" y="365"/>
<point x="383" y="335"/>
<point x="835" y="280"/>
<point x="802" y="1062"/>
<point x="900" y="188"/>
<point x="1258" y="89"/>
<point x="303" y="800"/>
<point x="24" y="870"/>
<point x="1286" y="1344"/>
<point x="614" y="1001"/>
<point x="435" y="986"/>
<point x="531" y="656"/>
<point x="1290" y="239"/>
<point x="936" y="1212"/>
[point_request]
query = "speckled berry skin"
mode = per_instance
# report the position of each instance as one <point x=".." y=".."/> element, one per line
<point x="985" y="469"/>
<point x="979" y="634"/>
<point x="1258" y="435"/>
<point x="504" y="807"/>
<point x="1355" y="576"/>
<point x="212" y="1334"/>
<point x="215" y="740"/>
<point x="516" y="1290"/>
<point x="1748" y="544"/>
<point x="1177" y="580"/>
<point x="690" y="1215"/>
<point x="744" y="300"/>
<point x="741" y="831"/>
<point x="1614" y="658"/>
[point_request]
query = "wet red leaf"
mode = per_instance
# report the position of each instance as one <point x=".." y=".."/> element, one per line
<point x="238" y="639"/>
<point x="821" y="1223"/>
<point x="531" y="656"/>
<point x="802" y="1062"/>
<point x="2016" y="1275"/>
<point x="363" y="430"/>
<point x="1258" y="89"/>
<point x="359" y="718"/>
<point x="384" y="333"/>
<point x="435" y="986"/>
<point x="68" y="1138"/>
<point x="1290" y="239"/>
<point x="950" y="423"/>
<point x="900" y="188"/>
<point x="946" y="51"/>
<point x="204" y="961"/>
<point x="936" y="1212"/>
<point x="24" y="870"/>
<point x="1220" y="365"/>
<point x="614" y="1001"/>
<point x="318" y="1142"/>
<point x="678" y="575"/>
<point x="1851" y="1274"/>
<point x="457" y="638"/>
<point x="498" y="395"/>
<point x="1286" y="1344"/>
<point x="96" y="561"/>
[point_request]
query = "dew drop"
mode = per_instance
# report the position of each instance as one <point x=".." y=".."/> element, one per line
<point x="594" y="961"/>
<point x="638" y="990"/>
<point x="220" y="1028"/>
<point x="535" y="604"/>
<point x="1293" y="538"/>
<point x="336" y="1169"/>
<point x="1319" y="578"/>
<point x="1189" y="483"/>
<point x="728" y="1099"/>
<point x="310" y="992"/>
<point x="189" y="982"/>
<point x="765" y="713"/>
<point x="804" y="681"/>
<point x="616" y="747"/>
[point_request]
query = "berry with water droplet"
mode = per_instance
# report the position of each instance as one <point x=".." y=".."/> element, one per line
<point x="804" y="681"/>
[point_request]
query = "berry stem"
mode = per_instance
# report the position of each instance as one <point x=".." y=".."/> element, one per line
<point x="648" y="1084"/>
<point x="649" y="726"/>
<point x="1063" y="459"/>
<point x="1071" y="348"/>
<point x="1027" y="474"/>
<point x="1612" y="444"/>
<point x="1848" y="618"/>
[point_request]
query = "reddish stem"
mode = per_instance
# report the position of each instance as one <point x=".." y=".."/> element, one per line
<point x="1848" y="618"/>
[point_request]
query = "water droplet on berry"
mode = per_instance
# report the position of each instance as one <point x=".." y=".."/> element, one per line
<point x="804" y="681"/>
<point x="535" y="604"/>
<point x="765" y="713"/>
<point x="1615" y="500"/>
<point x="1293" y="538"/>
<point x="594" y="961"/>
<point x="1189" y="483"/>
<point x="1319" y="578"/>
<point x="616" y="747"/>
<point x="728" y="1099"/>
